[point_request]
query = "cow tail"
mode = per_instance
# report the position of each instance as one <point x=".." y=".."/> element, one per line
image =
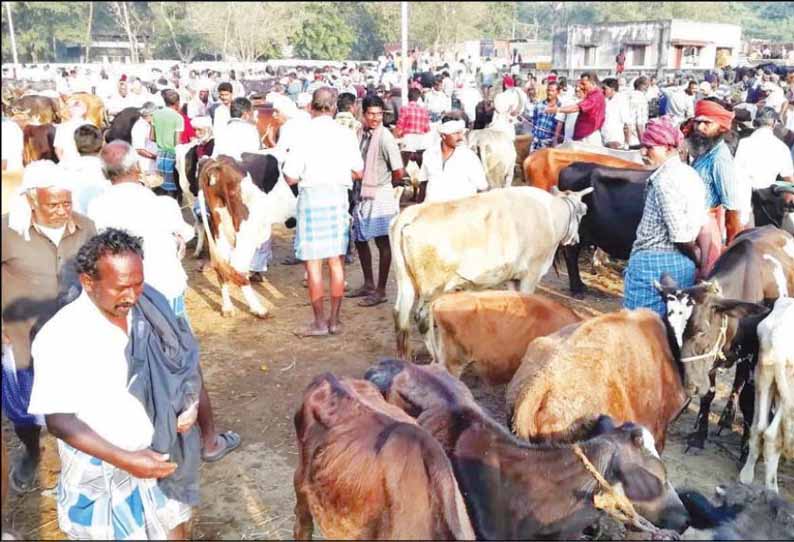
<point x="430" y="337"/>
<point x="406" y="293"/>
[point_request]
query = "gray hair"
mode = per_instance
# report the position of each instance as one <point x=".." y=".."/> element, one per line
<point x="148" y="108"/>
<point x="767" y="116"/>
<point x="117" y="163"/>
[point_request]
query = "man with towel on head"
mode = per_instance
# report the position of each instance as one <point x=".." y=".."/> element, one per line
<point x="376" y="205"/>
<point x="673" y="215"/>
<point x="450" y="170"/>
<point x="41" y="236"/>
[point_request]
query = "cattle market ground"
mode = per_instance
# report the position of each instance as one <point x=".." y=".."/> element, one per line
<point x="256" y="372"/>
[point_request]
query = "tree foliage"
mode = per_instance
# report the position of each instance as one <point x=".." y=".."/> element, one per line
<point x="334" y="30"/>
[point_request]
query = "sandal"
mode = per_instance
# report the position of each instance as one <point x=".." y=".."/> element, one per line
<point x="361" y="292"/>
<point x="232" y="441"/>
<point x="372" y="301"/>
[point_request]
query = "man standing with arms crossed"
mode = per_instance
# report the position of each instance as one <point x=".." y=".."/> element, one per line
<point x="323" y="165"/>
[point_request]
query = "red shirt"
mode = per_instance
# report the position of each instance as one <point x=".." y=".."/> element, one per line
<point x="413" y="119"/>
<point x="188" y="132"/>
<point x="591" y="114"/>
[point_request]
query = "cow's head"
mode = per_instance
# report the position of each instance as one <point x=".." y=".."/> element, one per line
<point x="221" y="182"/>
<point x="417" y="388"/>
<point x="636" y="469"/>
<point x="771" y="205"/>
<point x="700" y="318"/>
<point x="576" y="211"/>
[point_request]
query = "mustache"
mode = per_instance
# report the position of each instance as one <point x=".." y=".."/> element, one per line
<point x="699" y="143"/>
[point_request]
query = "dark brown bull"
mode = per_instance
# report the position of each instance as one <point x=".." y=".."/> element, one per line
<point x="515" y="490"/>
<point x="39" y="143"/>
<point x="367" y="471"/>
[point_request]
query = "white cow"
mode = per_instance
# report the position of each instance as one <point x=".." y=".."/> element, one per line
<point x="242" y="216"/>
<point x="497" y="152"/>
<point x="479" y="242"/>
<point x="774" y="385"/>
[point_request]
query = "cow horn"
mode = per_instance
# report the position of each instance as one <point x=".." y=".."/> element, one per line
<point x="582" y="193"/>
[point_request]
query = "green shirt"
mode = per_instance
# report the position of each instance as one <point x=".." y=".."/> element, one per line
<point x="167" y="123"/>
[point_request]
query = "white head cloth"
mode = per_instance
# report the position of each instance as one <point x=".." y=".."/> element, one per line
<point x="451" y="127"/>
<point x="38" y="174"/>
<point x="304" y="99"/>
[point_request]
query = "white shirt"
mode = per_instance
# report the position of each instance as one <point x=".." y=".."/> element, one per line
<point x="326" y="155"/>
<point x="469" y="98"/>
<point x="568" y="118"/>
<point x="761" y="157"/>
<point x="157" y="219"/>
<point x="141" y="139"/>
<point x="461" y="176"/>
<point x="237" y="137"/>
<point x="53" y="234"/>
<point x="221" y="118"/>
<point x="118" y="102"/>
<point x="87" y="179"/>
<point x="64" y="138"/>
<point x="438" y="102"/>
<point x="291" y="132"/>
<point x="81" y="369"/>
<point x="680" y="105"/>
<point x="616" y="116"/>
<point x="12" y="145"/>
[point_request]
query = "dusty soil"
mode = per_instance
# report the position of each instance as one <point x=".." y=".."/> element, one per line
<point x="256" y="372"/>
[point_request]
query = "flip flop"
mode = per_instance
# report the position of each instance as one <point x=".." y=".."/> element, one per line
<point x="361" y="292"/>
<point x="21" y="487"/>
<point x="372" y="301"/>
<point x="232" y="441"/>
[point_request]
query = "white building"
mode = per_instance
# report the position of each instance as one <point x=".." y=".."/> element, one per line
<point x="649" y="46"/>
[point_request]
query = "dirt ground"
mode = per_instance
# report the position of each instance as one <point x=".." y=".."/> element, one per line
<point x="256" y="372"/>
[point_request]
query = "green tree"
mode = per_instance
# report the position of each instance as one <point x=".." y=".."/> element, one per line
<point x="41" y="26"/>
<point x="325" y="35"/>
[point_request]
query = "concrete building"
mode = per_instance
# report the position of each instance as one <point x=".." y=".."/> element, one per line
<point x="658" y="47"/>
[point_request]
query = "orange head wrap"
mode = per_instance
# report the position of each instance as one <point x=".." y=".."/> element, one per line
<point x="706" y="109"/>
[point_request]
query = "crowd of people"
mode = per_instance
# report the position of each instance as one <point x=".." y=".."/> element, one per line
<point x="93" y="287"/>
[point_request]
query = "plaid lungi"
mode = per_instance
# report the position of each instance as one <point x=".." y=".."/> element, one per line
<point x="371" y="217"/>
<point x="17" y="385"/>
<point x="323" y="223"/>
<point x="647" y="266"/>
<point x="98" y="501"/>
<point x="166" y="167"/>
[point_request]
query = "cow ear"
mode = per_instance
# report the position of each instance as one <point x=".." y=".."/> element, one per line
<point x="738" y="309"/>
<point x="712" y="287"/>
<point x="640" y="484"/>
<point x="603" y="425"/>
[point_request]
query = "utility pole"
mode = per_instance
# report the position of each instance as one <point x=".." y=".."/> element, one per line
<point x="404" y="74"/>
<point x="13" y="37"/>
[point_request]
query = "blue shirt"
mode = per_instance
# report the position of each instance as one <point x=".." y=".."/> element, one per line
<point x="543" y="125"/>
<point x="718" y="174"/>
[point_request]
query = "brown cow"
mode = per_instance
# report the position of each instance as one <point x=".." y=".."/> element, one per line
<point x="523" y="144"/>
<point x="367" y="471"/>
<point x="95" y="109"/>
<point x="542" y="168"/>
<point x="268" y="123"/>
<point x="39" y="143"/>
<point x="619" y="364"/>
<point x="36" y="110"/>
<point x="491" y="330"/>
<point x="515" y="490"/>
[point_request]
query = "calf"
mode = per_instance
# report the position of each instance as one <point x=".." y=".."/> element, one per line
<point x="240" y="219"/>
<point x="515" y="490"/>
<point x="758" y="266"/>
<point x="619" y="364"/>
<point x="774" y="385"/>
<point x="437" y="250"/>
<point x="367" y="471"/>
<point x="491" y="330"/>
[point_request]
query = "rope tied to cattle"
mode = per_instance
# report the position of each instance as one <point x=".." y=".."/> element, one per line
<point x="615" y="503"/>
<point x="716" y="351"/>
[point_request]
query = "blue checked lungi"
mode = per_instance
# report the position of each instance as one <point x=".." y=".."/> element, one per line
<point x="323" y="223"/>
<point x="17" y="384"/>
<point x="101" y="502"/>
<point x="371" y="217"/>
<point x="647" y="266"/>
<point x="166" y="166"/>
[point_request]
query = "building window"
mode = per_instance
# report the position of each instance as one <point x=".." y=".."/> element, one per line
<point x="692" y="56"/>
<point x="589" y="55"/>
<point x="636" y="56"/>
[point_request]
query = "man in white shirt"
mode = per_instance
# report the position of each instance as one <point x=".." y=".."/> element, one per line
<point x="294" y="128"/>
<point x="681" y="102"/>
<point x="450" y="169"/>
<point x="323" y="164"/>
<point x="104" y="432"/>
<point x="220" y="112"/>
<point x="437" y="101"/>
<point x="12" y="146"/>
<point x="617" y="117"/>
<point x="760" y="159"/>
<point x="120" y="100"/>
<point x="85" y="172"/>
<point x="65" y="146"/>
<point x="638" y="110"/>
<point x="131" y="206"/>
<point x="199" y="105"/>
<point x="239" y="135"/>
<point x="142" y="140"/>
<point x="469" y="97"/>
